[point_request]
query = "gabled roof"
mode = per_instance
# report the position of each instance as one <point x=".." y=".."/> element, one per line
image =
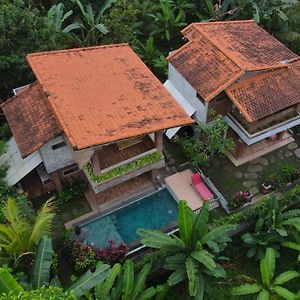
<point x="226" y="51"/>
<point x="267" y="93"/>
<point x="30" y="119"/>
<point x="104" y="94"/>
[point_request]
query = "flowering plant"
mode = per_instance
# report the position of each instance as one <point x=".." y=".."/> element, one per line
<point x="113" y="253"/>
<point x="240" y="198"/>
<point x="83" y="256"/>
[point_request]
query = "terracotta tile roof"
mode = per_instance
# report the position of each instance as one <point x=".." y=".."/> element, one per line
<point x="245" y="43"/>
<point x="104" y="94"/>
<point x="205" y="67"/>
<point x="30" y="119"/>
<point x="267" y="93"/>
<point x="218" y="53"/>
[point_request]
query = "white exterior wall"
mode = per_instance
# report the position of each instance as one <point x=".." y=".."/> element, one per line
<point x="56" y="159"/>
<point x="189" y="93"/>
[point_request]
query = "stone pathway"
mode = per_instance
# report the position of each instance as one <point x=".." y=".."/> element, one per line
<point x="253" y="172"/>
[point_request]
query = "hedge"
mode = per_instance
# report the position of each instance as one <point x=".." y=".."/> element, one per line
<point x="118" y="171"/>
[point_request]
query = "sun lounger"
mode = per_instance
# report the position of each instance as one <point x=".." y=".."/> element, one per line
<point x="200" y="187"/>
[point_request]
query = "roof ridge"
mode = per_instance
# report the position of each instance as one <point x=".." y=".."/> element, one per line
<point x="76" y="49"/>
<point x="224" y="22"/>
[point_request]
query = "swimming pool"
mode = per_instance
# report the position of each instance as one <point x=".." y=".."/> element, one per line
<point x="154" y="211"/>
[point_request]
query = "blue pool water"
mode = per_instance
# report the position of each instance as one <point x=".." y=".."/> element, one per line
<point x="151" y="212"/>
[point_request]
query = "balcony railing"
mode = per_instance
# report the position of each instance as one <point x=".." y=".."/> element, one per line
<point x="126" y="170"/>
<point x="251" y="138"/>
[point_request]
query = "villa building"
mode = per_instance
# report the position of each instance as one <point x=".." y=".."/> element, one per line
<point x="98" y="113"/>
<point x="243" y="73"/>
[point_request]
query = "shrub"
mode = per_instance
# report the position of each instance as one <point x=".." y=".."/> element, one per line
<point x="5" y="132"/>
<point x="83" y="257"/>
<point x="49" y="293"/>
<point x="113" y="253"/>
<point x="240" y="198"/>
<point x="72" y="190"/>
<point x="285" y="174"/>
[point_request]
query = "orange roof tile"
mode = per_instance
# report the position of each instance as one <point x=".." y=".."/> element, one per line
<point x="245" y="43"/>
<point x="104" y="94"/>
<point x="30" y="119"/>
<point x="218" y="53"/>
<point x="205" y="67"/>
<point x="267" y="93"/>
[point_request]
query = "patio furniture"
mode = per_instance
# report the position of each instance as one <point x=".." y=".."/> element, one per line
<point x="200" y="187"/>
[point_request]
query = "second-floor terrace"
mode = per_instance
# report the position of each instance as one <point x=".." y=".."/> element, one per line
<point x="117" y="162"/>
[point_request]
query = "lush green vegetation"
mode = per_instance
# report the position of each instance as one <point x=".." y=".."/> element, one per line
<point x="208" y="141"/>
<point x="118" y="171"/>
<point x="151" y="27"/>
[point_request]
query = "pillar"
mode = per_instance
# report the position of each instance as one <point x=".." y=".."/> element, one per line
<point x="56" y="178"/>
<point x="96" y="163"/>
<point x="280" y="135"/>
<point x="154" y="174"/>
<point x="158" y="140"/>
<point x="239" y="148"/>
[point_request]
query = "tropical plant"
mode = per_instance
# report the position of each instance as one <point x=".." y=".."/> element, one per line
<point x="192" y="254"/>
<point x="121" y="21"/>
<point x="208" y="140"/>
<point x="49" y="293"/>
<point x="56" y="18"/>
<point x="19" y="237"/>
<point x="152" y="57"/>
<point x="293" y="242"/>
<point x="269" y="286"/>
<point x="217" y="11"/>
<point x="167" y="21"/>
<point x="123" y="283"/>
<point x="92" y="27"/>
<point x="271" y="229"/>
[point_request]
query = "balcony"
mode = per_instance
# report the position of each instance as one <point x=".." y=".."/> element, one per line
<point x="122" y="161"/>
<point x="250" y="136"/>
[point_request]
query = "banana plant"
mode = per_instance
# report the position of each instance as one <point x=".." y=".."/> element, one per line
<point x="56" y="19"/>
<point x="269" y="286"/>
<point x="293" y="243"/>
<point x="123" y="283"/>
<point x="167" y="20"/>
<point x="192" y="254"/>
<point x="271" y="229"/>
<point x="92" y="29"/>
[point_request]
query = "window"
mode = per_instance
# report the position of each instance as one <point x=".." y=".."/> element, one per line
<point x="71" y="170"/>
<point x="58" y="145"/>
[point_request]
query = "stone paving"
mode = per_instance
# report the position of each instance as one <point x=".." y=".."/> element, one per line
<point x="252" y="173"/>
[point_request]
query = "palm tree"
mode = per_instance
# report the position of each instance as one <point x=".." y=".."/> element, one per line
<point x="18" y="237"/>
<point x="92" y="29"/>
<point x="192" y="254"/>
<point x="270" y="286"/>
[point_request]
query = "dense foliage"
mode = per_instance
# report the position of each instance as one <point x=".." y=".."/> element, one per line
<point x="208" y="140"/>
<point x="151" y="27"/>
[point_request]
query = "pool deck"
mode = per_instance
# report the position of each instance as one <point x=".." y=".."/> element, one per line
<point x="181" y="185"/>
